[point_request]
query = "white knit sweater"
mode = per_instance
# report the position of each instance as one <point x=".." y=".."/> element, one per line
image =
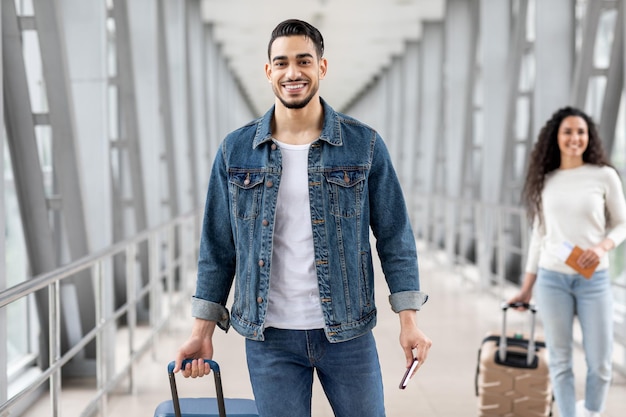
<point x="574" y="202"/>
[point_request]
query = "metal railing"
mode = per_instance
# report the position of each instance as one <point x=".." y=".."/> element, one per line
<point x="172" y="248"/>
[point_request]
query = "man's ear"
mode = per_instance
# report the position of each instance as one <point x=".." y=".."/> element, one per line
<point x="323" y="67"/>
<point x="268" y="72"/>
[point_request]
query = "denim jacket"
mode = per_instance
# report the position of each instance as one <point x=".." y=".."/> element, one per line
<point x="352" y="188"/>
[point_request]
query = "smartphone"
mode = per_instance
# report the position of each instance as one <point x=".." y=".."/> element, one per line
<point x="407" y="375"/>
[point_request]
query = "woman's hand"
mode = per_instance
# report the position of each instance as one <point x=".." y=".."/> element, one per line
<point x="526" y="292"/>
<point x="591" y="257"/>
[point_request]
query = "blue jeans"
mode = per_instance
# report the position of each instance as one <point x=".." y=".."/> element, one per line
<point x="559" y="298"/>
<point x="281" y="373"/>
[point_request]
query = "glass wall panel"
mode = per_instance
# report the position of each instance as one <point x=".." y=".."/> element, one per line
<point x="20" y="346"/>
<point x="22" y="324"/>
<point x="604" y="40"/>
<point x="595" y="96"/>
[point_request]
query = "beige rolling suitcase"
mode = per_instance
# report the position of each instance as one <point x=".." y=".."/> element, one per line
<point x="512" y="375"/>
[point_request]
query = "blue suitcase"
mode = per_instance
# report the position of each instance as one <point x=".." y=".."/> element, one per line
<point x="204" y="407"/>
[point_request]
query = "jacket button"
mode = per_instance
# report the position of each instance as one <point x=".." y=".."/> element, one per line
<point x="269" y="184"/>
<point x="259" y="300"/>
<point x="274" y="146"/>
<point x="265" y="222"/>
<point x="261" y="263"/>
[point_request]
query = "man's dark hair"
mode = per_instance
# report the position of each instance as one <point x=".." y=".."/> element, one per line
<point x="295" y="27"/>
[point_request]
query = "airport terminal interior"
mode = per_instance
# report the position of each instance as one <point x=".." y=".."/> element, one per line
<point x="113" y="112"/>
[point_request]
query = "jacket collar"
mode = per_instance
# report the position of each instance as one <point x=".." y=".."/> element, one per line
<point x="331" y="131"/>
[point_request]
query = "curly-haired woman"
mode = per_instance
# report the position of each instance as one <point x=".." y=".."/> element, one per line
<point x="574" y="197"/>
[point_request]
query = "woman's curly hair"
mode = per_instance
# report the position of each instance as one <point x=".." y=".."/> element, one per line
<point x="546" y="156"/>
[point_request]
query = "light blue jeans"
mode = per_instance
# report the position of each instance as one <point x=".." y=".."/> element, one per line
<point x="560" y="297"/>
<point x="281" y="373"/>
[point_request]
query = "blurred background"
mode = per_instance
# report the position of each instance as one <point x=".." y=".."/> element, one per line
<point x="113" y="111"/>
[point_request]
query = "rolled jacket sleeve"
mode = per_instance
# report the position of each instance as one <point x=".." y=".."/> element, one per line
<point x="407" y="300"/>
<point x="208" y="310"/>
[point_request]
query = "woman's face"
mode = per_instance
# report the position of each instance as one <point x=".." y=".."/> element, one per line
<point x="573" y="137"/>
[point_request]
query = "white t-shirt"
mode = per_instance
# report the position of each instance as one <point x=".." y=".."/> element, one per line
<point x="293" y="299"/>
<point x="574" y="202"/>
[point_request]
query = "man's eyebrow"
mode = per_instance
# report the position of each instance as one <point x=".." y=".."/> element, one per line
<point x="298" y="56"/>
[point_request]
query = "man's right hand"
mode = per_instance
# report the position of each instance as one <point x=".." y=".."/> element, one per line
<point x="198" y="347"/>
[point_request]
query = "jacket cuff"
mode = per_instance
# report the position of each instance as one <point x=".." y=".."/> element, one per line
<point x="208" y="310"/>
<point x="407" y="300"/>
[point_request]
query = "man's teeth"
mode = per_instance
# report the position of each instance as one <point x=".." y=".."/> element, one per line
<point x="294" y="87"/>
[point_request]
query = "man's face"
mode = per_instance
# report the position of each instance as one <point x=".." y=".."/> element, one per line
<point x="294" y="70"/>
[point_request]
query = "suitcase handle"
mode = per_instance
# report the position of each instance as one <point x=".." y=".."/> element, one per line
<point x="530" y="357"/>
<point x="218" y="386"/>
<point x="505" y="306"/>
<point x="214" y="366"/>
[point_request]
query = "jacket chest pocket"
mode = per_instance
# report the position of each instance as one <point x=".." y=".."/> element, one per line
<point x="246" y="190"/>
<point x="345" y="191"/>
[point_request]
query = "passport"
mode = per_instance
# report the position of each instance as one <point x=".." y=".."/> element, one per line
<point x="572" y="261"/>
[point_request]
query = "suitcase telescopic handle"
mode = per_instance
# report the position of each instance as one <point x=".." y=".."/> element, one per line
<point x="528" y="306"/>
<point x="530" y="357"/>
<point x="218" y="386"/>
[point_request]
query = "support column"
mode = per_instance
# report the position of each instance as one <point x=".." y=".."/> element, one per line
<point x="554" y="59"/>
<point x="168" y="157"/>
<point x="598" y="81"/>
<point x="126" y="162"/>
<point x="212" y="99"/>
<point x="410" y="119"/>
<point x="495" y="22"/>
<point x="143" y="32"/>
<point x="614" y="82"/>
<point x="28" y="177"/>
<point x="83" y="26"/>
<point x="3" y="279"/>
<point x="460" y="38"/>
<point x="395" y="109"/>
<point x="431" y="81"/>
<point x="469" y="178"/>
<point x="517" y="106"/>
<point x="585" y="58"/>
<point x="191" y="9"/>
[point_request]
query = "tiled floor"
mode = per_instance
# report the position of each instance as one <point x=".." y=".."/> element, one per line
<point x="456" y="318"/>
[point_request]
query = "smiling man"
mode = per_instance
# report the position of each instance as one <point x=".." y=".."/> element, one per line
<point x="295" y="85"/>
<point x="291" y="200"/>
